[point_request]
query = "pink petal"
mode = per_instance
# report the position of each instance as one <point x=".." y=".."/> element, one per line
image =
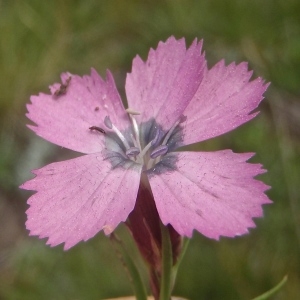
<point x="77" y="198"/>
<point x="65" y="120"/>
<point x="212" y="192"/>
<point x="162" y="87"/>
<point x="224" y="101"/>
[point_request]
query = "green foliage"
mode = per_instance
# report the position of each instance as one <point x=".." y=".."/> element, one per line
<point x="41" y="39"/>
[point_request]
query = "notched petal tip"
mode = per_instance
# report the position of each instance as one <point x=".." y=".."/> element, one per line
<point x="109" y="76"/>
<point x="30" y="185"/>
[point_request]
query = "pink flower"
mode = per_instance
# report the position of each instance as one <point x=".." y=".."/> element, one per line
<point x="173" y="100"/>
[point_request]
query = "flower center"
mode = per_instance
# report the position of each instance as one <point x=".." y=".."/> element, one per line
<point x="146" y="143"/>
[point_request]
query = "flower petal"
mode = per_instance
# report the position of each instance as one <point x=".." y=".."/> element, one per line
<point x="212" y="192"/>
<point x="224" y="101"/>
<point x="77" y="198"/>
<point x="65" y="119"/>
<point x="162" y="87"/>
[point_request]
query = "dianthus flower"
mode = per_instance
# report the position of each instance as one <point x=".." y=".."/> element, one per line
<point x="173" y="100"/>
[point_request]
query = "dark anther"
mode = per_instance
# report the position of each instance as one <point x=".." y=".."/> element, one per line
<point x="98" y="129"/>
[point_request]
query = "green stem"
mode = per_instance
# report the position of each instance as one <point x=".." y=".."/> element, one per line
<point x="167" y="262"/>
<point x="272" y="291"/>
<point x="137" y="282"/>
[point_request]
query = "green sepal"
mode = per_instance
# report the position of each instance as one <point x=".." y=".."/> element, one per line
<point x="167" y="263"/>
<point x="137" y="282"/>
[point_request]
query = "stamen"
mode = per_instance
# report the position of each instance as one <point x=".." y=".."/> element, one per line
<point x="136" y="131"/>
<point x="155" y="149"/>
<point x="148" y="146"/>
<point x="97" y="128"/>
<point x="108" y="122"/>
<point x="132" y="111"/>
<point x="133" y="152"/>
<point x="133" y="140"/>
<point x="181" y="119"/>
<point x="158" y="151"/>
<point x="157" y="137"/>
<point x="110" y="125"/>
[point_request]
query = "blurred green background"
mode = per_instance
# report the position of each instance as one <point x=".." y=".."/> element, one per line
<point x="41" y="39"/>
